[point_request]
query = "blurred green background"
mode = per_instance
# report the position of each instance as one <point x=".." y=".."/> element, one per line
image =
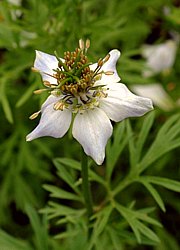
<point x="47" y="26"/>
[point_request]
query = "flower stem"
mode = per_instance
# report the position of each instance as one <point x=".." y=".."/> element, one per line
<point x="86" y="188"/>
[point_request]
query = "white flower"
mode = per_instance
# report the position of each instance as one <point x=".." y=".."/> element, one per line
<point x="15" y="13"/>
<point x="89" y="93"/>
<point x="157" y="94"/>
<point x="159" y="57"/>
<point x="26" y="37"/>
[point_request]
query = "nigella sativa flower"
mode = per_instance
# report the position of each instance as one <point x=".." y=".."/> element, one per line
<point x="89" y="93"/>
<point x="159" y="57"/>
<point x="156" y="93"/>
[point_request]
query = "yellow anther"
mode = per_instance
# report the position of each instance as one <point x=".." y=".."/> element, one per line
<point x="47" y="84"/>
<point x="98" y="77"/>
<point x="34" y="69"/>
<point x="77" y="50"/>
<point x="100" y="62"/>
<point x="33" y="116"/>
<point x="106" y="58"/>
<point x="101" y="94"/>
<point x="83" y="85"/>
<point x="59" y="106"/>
<point x="39" y="91"/>
<point x="109" y="73"/>
<point x="81" y="44"/>
<point x="74" y="90"/>
<point x="87" y="44"/>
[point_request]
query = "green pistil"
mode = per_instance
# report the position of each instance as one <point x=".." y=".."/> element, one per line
<point x="71" y="76"/>
<point x="64" y="81"/>
<point x="61" y="64"/>
<point x="79" y="71"/>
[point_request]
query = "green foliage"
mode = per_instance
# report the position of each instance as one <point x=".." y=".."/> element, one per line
<point x="136" y="184"/>
<point x="40" y="229"/>
<point x="110" y="213"/>
<point x="7" y="242"/>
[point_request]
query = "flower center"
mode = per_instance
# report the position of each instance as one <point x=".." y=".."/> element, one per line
<point x="73" y="73"/>
<point x="76" y="87"/>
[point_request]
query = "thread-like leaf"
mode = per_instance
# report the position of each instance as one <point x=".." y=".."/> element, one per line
<point x="153" y="192"/>
<point x="61" y="193"/>
<point x="163" y="143"/>
<point x="164" y="182"/>
<point x="9" y="242"/>
<point x="39" y="229"/>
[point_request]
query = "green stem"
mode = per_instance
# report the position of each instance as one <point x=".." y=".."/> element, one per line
<point x="86" y="188"/>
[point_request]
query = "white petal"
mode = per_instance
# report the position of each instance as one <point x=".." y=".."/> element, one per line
<point x="121" y="103"/>
<point x="53" y="123"/>
<point x="45" y="63"/>
<point x="155" y="92"/>
<point x="110" y="65"/>
<point x="92" y="130"/>
<point x="50" y="100"/>
<point x="159" y="57"/>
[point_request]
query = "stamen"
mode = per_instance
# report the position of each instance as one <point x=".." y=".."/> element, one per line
<point x="59" y="106"/>
<point x="39" y="91"/>
<point x="33" y="116"/>
<point x="47" y="84"/>
<point x="48" y="74"/>
<point x="100" y="62"/>
<point x="98" y="76"/>
<point x="34" y="69"/>
<point x="106" y="58"/>
<point x="108" y="73"/>
<point x="37" y="70"/>
<point x="87" y="44"/>
<point x="81" y="44"/>
<point x="74" y="90"/>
